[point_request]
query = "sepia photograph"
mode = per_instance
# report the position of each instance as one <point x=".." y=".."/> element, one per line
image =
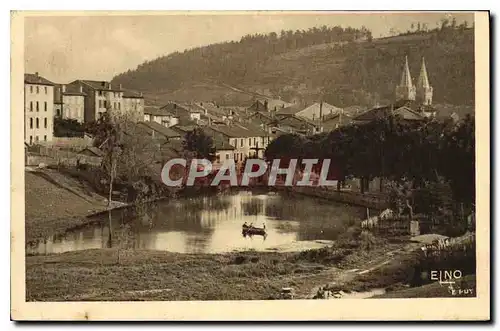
<point x="252" y="163"/>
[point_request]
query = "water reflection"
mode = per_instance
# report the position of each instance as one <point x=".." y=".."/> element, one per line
<point x="209" y="225"/>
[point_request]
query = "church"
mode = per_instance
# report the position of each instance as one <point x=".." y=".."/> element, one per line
<point x="417" y="97"/>
<point x="413" y="101"/>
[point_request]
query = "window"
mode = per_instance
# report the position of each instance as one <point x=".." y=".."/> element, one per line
<point x="100" y="93"/>
<point x="45" y="105"/>
<point x="31" y="122"/>
<point x="119" y="106"/>
<point x="37" y="124"/>
<point x="31" y="105"/>
<point x="45" y="87"/>
<point x="31" y="88"/>
<point x="37" y="108"/>
<point x="37" y="91"/>
<point x="36" y="138"/>
<point x="31" y="140"/>
<point x="45" y="122"/>
<point x="100" y="103"/>
<point x="58" y="112"/>
<point x="249" y="141"/>
<point x="104" y="103"/>
<point x="227" y="156"/>
<point x="241" y="142"/>
<point x="45" y="138"/>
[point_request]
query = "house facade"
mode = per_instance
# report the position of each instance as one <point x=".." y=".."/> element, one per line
<point x="160" y="116"/>
<point x="133" y="105"/>
<point x="247" y="142"/>
<point x="69" y="102"/>
<point x="38" y="109"/>
<point x="100" y="96"/>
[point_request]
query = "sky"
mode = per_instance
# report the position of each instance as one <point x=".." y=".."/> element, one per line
<point x="65" y="48"/>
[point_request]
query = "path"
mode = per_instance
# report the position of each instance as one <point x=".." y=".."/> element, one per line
<point x="341" y="276"/>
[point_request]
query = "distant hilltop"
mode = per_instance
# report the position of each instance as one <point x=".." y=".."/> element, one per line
<point x="342" y="66"/>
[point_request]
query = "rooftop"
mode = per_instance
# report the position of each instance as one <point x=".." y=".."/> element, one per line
<point x="36" y="79"/>
<point x="385" y="111"/>
<point x="132" y="94"/>
<point x="167" y="132"/>
<point x="101" y="85"/>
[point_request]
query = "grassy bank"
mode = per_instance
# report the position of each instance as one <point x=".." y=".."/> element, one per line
<point x="55" y="202"/>
<point x="154" y="275"/>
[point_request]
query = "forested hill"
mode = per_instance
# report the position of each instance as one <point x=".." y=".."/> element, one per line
<point x="342" y="66"/>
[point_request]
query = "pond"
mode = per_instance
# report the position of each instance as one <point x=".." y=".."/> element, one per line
<point x="210" y="224"/>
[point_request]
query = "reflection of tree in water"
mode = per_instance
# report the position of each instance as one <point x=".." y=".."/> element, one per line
<point x="253" y="207"/>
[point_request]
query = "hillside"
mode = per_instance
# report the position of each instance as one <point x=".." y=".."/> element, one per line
<point x="344" y="68"/>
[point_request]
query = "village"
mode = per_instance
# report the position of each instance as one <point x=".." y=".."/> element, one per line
<point x="238" y="132"/>
<point x="72" y="131"/>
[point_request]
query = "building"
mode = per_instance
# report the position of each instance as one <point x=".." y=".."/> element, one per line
<point x="133" y="105"/>
<point x="317" y="110"/>
<point x="157" y="131"/>
<point x="160" y="116"/>
<point x="295" y="124"/>
<point x="247" y="141"/>
<point x="417" y="97"/>
<point x="38" y="109"/>
<point x="406" y="90"/>
<point x="334" y="121"/>
<point x="269" y="105"/>
<point x="100" y="96"/>
<point x="424" y="90"/>
<point x="69" y="102"/>
<point x="399" y="109"/>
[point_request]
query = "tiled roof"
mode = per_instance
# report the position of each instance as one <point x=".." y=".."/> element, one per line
<point x="381" y="112"/>
<point x="94" y="150"/>
<point x="132" y="94"/>
<point x="101" y="85"/>
<point x="182" y="129"/>
<point x="293" y="109"/>
<point x="237" y="131"/>
<point x="73" y="90"/>
<point x="36" y="79"/>
<point x="156" y="111"/>
<point x="167" y="132"/>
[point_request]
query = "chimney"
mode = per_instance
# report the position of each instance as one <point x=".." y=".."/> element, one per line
<point x="103" y="84"/>
<point x="36" y="73"/>
<point x="120" y="87"/>
<point x="63" y="88"/>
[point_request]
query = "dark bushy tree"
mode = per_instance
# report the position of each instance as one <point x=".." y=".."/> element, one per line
<point x="200" y="144"/>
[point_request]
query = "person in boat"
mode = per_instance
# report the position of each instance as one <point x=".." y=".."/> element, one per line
<point x="264" y="226"/>
<point x="245" y="225"/>
<point x="251" y="226"/>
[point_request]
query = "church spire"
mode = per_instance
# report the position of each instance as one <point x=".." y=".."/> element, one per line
<point x="406" y="77"/>
<point x="423" y="80"/>
<point x="405" y="90"/>
<point x="424" y="88"/>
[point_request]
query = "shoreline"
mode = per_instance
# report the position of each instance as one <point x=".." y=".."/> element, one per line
<point x="246" y="275"/>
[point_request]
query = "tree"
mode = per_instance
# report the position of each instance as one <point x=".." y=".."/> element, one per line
<point x="458" y="160"/>
<point x="200" y="144"/>
<point x="128" y="160"/>
<point x="67" y="127"/>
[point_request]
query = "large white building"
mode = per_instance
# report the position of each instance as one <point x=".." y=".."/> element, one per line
<point x="101" y="96"/>
<point x="69" y="102"/>
<point x="38" y="109"/>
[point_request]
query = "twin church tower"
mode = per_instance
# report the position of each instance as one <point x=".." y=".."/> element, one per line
<point x="421" y="93"/>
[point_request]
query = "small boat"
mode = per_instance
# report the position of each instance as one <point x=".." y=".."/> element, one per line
<point x="251" y="230"/>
